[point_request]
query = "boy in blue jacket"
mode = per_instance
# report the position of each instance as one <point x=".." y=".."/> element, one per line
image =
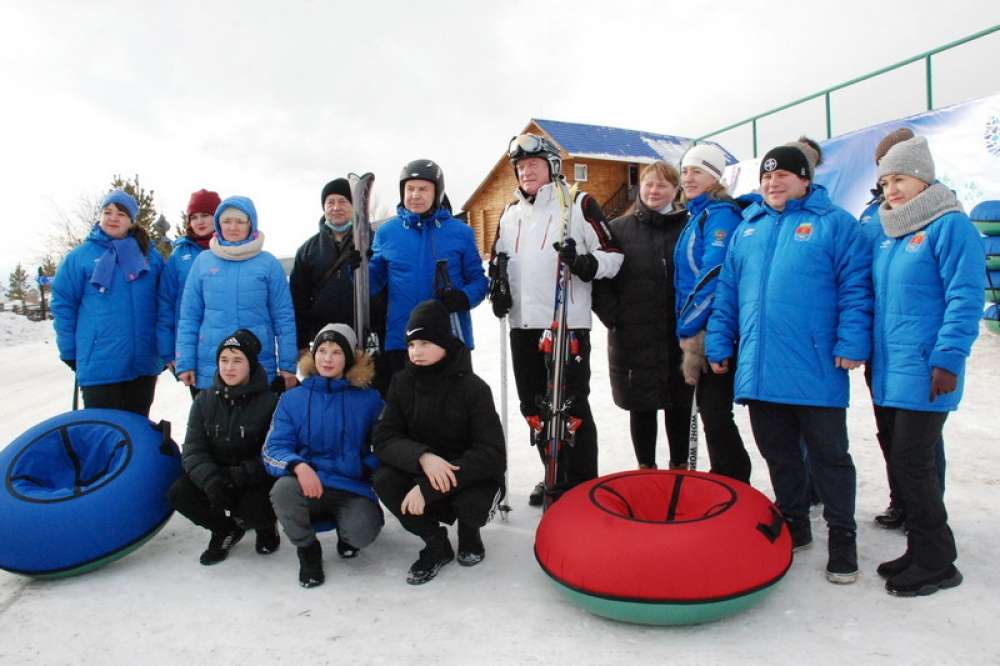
<point x="319" y="449"/>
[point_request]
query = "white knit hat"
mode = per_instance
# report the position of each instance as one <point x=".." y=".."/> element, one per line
<point x="706" y="157"/>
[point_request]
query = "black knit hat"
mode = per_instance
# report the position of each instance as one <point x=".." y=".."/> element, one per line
<point x="785" y="158"/>
<point x="430" y="321"/>
<point x="336" y="186"/>
<point x="243" y="340"/>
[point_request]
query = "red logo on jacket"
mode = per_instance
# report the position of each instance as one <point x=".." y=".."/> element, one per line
<point x="803" y="231"/>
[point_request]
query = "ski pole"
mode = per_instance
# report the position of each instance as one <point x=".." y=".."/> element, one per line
<point x="693" y="432"/>
<point x="76" y="393"/>
<point x="444" y="282"/>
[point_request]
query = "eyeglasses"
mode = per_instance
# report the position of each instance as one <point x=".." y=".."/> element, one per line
<point x="525" y="144"/>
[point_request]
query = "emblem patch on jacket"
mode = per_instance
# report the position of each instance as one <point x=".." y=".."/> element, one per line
<point x="719" y="238"/>
<point x="748" y="231"/>
<point x="916" y="242"/>
<point x="804" y="231"/>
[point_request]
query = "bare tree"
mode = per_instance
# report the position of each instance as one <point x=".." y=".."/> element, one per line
<point x="71" y="228"/>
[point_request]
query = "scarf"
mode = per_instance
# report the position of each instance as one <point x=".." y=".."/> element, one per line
<point x="339" y="229"/>
<point x="202" y="241"/>
<point x="919" y="211"/>
<point x="245" y="250"/>
<point x="124" y="253"/>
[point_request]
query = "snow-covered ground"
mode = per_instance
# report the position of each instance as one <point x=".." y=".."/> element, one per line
<point x="159" y="605"/>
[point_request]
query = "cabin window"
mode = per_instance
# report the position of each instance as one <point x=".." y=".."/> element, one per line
<point x="580" y="173"/>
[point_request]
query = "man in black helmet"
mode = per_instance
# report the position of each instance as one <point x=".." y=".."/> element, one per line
<point x="407" y="249"/>
<point x="526" y="235"/>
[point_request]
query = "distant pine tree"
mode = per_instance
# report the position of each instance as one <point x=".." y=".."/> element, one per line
<point x="18" y="285"/>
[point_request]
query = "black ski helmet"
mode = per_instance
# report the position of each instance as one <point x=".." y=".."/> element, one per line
<point x="532" y="145"/>
<point x="423" y="170"/>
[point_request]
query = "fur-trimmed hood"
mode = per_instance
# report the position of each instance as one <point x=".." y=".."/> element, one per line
<point x="360" y="375"/>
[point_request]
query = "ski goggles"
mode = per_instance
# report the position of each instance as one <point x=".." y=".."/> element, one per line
<point x="527" y="144"/>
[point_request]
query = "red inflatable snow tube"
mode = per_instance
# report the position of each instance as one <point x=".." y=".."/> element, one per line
<point x="663" y="547"/>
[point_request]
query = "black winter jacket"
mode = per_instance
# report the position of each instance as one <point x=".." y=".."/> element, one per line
<point x="226" y="430"/>
<point x="637" y="306"/>
<point x="322" y="284"/>
<point x="447" y="410"/>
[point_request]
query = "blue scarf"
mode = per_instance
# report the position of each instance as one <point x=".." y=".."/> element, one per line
<point x="124" y="253"/>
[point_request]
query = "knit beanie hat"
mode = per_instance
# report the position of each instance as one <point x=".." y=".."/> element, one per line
<point x="343" y="335"/>
<point x="706" y="157"/>
<point x="243" y="340"/>
<point x="430" y="321"/>
<point x="909" y="158"/>
<point x="336" y="186"/>
<point x="785" y="158"/>
<point x="890" y="140"/>
<point x="203" y="201"/>
<point x="123" y="199"/>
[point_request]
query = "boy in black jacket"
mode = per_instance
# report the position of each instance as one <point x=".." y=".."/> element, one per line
<point x="440" y="444"/>
<point x="223" y="471"/>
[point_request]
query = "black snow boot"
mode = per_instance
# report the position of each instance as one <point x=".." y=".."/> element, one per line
<point x="892" y="518"/>
<point x="537" y="496"/>
<point x="267" y="540"/>
<point x="894" y="567"/>
<point x="801" y="533"/>
<point x="842" y="566"/>
<point x="346" y="550"/>
<point x="470" y="545"/>
<point x="915" y="581"/>
<point x="311" y="565"/>
<point x="435" y="555"/>
<point x="219" y="546"/>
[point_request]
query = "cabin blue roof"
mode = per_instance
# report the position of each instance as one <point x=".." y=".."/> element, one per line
<point x="614" y="143"/>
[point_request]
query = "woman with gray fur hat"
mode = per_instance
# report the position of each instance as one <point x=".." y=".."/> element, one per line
<point x="928" y="279"/>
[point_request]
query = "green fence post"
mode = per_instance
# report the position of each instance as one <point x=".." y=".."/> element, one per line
<point x="829" y="124"/>
<point x="930" y="85"/>
<point x="753" y="124"/>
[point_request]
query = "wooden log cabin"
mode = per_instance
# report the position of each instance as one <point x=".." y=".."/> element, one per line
<point x="605" y="161"/>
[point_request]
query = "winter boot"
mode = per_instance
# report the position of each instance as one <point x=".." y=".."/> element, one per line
<point x="267" y="540"/>
<point x="346" y="550"/>
<point x="892" y="518"/>
<point x="895" y="567"/>
<point x="674" y="465"/>
<point x="537" y="496"/>
<point x="842" y="565"/>
<point x="470" y="545"/>
<point x="801" y="532"/>
<point x="219" y="545"/>
<point x="647" y="465"/>
<point x="435" y="555"/>
<point x="916" y="581"/>
<point x="311" y="565"/>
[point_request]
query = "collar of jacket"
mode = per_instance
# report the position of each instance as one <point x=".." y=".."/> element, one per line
<point x="675" y="216"/>
<point x="418" y="221"/>
<point x="320" y="384"/>
<point x="816" y="200"/>
<point x="257" y="384"/>
<point x="544" y="195"/>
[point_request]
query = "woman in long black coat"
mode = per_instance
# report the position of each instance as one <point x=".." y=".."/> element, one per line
<point x="637" y="306"/>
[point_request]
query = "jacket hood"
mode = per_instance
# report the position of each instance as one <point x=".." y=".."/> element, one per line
<point x="243" y="204"/>
<point x="359" y="375"/>
<point x="257" y="384"/>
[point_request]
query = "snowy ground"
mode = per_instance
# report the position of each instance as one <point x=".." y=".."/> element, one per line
<point x="159" y="606"/>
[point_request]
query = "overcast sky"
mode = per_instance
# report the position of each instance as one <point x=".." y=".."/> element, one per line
<point x="272" y="99"/>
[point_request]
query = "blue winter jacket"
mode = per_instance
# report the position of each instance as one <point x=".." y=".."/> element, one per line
<point x="221" y="296"/>
<point x="928" y="301"/>
<point x="406" y="250"/>
<point x="182" y="257"/>
<point x="796" y="291"/>
<point x="112" y="335"/>
<point x="698" y="257"/>
<point x="871" y="228"/>
<point x="326" y="423"/>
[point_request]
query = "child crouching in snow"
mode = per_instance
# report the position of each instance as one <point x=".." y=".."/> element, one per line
<point x="440" y="444"/>
<point x="319" y="448"/>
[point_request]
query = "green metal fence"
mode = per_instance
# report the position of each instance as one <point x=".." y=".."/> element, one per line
<point x="925" y="56"/>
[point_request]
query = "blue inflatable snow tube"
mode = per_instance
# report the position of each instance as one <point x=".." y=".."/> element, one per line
<point x="83" y="489"/>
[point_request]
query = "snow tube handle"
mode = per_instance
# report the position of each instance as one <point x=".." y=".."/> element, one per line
<point x="167" y="446"/>
<point x="772" y="530"/>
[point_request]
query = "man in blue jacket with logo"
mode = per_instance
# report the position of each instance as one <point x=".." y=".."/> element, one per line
<point x="795" y="291"/>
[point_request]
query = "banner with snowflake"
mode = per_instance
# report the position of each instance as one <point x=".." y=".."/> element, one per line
<point x="964" y="139"/>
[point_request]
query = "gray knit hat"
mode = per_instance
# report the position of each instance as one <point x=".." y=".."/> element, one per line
<point x="909" y="158"/>
<point x="343" y="335"/>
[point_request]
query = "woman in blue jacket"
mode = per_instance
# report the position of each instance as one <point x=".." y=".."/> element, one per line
<point x="105" y="309"/>
<point x="199" y="228"/>
<point x="698" y="257"/>
<point x="795" y="290"/>
<point x="928" y="279"/>
<point x="235" y="285"/>
<point x="319" y="447"/>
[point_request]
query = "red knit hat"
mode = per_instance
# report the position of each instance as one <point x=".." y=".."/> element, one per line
<point x="203" y="201"/>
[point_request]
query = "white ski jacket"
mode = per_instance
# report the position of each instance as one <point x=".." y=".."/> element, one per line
<point x="526" y="234"/>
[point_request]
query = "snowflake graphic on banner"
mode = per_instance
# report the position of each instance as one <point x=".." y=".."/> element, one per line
<point x="992" y="135"/>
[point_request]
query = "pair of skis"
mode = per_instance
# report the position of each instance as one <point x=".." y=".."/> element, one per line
<point x="361" y="230"/>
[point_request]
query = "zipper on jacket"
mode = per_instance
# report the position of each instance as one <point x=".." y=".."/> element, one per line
<point x="768" y="257"/>
<point x="882" y="292"/>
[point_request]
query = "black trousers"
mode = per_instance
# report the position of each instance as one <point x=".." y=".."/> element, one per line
<point x="779" y="430"/>
<point x="912" y="438"/>
<point x="251" y="506"/>
<point x="726" y="450"/>
<point x="676" y="421"/>
<point x="470" y="506"/>
<point x="577" y="463"/>
<point x="132" y="396"/>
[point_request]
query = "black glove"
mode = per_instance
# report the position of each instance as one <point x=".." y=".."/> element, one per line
<point x="584" y="266"/>
<point x="219" y="494"/>
<point x="454" y="300"/>
<point x="500" y="296"/>
<point x="352" y="259"/>
<point x="70" y="362"/>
